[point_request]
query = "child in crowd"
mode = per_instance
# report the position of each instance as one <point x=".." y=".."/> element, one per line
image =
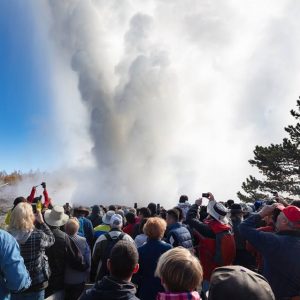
<point x="180" y="273"/>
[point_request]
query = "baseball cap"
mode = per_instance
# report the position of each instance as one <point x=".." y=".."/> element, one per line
<point x="237" y="282"/>
<point x="292" y="213"/>
<point x="116" y="220"/>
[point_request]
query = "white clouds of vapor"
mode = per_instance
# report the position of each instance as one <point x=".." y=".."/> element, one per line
<point x="174" y="94"/>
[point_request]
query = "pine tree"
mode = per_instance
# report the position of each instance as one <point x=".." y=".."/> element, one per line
<point x="278" y="163"/>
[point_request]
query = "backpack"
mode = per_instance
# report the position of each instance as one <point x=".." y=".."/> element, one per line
<point x="75" y="259"/>
<point x="110" y="244"/>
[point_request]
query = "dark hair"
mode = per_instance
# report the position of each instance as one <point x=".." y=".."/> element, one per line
<point x="174" y="214"/>
<point x="112" y="207"/>
<point x="145" y="212"/>
<point x="141" y="226"/>
<point x="152" y="207"/>
<point x="130" y="217"/>
<point x="180" y="213"/>
<point x="229" y="203"/>
<point x="183" y="198"/>
<point x="123" y="259"/>
<point x="296" y="203"/>
<point x="163" y="214"/>
<point x="19" y="200"/>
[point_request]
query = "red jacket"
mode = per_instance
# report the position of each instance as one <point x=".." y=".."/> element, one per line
<point x="216" y="252"/>
<point x="32" y="194"/>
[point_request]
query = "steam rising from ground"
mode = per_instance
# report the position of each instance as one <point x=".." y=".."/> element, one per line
<point x="159" y="98"/>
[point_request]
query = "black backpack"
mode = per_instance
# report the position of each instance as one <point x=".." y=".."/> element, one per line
<point x="110" y="244"/>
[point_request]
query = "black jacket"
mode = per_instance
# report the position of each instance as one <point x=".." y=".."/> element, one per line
<point x="59" y="255"/>
<point x="110" y="288"/>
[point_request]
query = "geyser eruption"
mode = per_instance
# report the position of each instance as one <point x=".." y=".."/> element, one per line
<point x="163" y="83"/>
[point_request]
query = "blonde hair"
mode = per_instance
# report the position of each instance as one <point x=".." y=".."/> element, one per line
<point x="155" y="228"/>
<point x="22" y="217"/>
<point x="72" y="226"/>
<point x="179" y="270"/>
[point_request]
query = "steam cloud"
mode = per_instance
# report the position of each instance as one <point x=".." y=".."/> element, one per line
<point x="175" y="94"/>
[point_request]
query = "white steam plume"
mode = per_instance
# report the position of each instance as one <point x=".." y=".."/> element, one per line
<point x="177" y="93"/>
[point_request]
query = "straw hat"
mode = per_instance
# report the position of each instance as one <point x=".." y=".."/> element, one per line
<point x="56" y="216"/>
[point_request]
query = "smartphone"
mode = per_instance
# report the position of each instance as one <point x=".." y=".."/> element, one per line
<point x="205" y="195"/>
<point x="135" y="205"/>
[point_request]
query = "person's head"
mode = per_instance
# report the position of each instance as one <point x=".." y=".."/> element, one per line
<point x="236" y="282"/>
<point x="163" y="213"/>
<point x="123" y="260"/>
<point x="116" y="221"/>
<point x="112" y="207"/>
<point x="19" y="200"/>
<point x="236" y="211"/>
<point x="172" y="216"/>
<point x="130" y="217"/>
<point x="22" y="217"/>
<point x="296" y="203"/>
<point x="152" y="208"/>
<point x="56" y="217"/>
<point x="142" y="224"/>
<point x="218" y="212"/>
<point x="81" y="212"/>
<point x="183" y="199"/>
<point x="144" y="212"/>
<point x="288" y="219"/>
<point x="72" y="226"/>
<point x="96" y="210"/>
<point x="179" y="270"/>
<point x="155" y="228"/>
<point x="132" y="210"/>
<point x="229" y="203"/>
<point x="180" y="213"/>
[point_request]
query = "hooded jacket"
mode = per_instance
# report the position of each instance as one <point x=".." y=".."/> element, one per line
<point x="110" y="288"/>
<point x="33" y="245"/>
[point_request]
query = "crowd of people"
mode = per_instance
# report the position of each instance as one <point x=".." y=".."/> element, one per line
<point x="224" y="250"/>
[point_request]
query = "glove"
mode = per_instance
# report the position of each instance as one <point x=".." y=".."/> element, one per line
<point x="43" y="184"/>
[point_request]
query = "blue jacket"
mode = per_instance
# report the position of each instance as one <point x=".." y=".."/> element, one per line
<point x="86" y="230"/>
<point x="148" y="284"/>
<point x="13" y="274"/>
<point x="280" y="252"/>
<point x="179" y="235"/>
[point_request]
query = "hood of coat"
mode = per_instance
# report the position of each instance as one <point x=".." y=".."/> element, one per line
<point x="20" y="235"/>
<point x="112" y="289"/>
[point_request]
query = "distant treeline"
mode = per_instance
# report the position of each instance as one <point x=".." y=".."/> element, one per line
<point x="15" y="177"/>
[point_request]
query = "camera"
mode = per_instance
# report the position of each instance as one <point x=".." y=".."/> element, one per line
<point x="205" y="195"/>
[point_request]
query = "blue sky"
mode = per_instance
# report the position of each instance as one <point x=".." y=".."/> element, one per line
<point x="24" y="91"/>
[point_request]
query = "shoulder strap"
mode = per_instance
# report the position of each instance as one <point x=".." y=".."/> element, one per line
<point x="120" y="237"/>
<point x="108" y="237"/>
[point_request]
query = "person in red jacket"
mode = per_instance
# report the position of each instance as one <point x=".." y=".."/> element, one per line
<point x="131" y="220"/>
<point x="32" y="199"/>
<point x="216" y="244"/>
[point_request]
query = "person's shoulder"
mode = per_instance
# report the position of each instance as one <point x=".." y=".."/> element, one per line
<point x="165" y="245"/>
<point x="127" y="237"/>
<point x="6" y="238"/>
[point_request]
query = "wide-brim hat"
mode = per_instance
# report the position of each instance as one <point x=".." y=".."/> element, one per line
<point x="82" y="209"/>
<point x="106" y="218"/>
<point x="56" y="216"/>
<point x="219" y="212"/>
